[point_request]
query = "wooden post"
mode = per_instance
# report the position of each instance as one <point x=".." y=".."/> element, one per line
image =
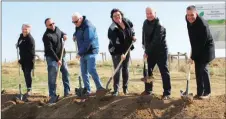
<point x="178" y="59"/>
<point x="102" y="56"/>
<point x="105" y="56"/>
<point x="186" y="58"/>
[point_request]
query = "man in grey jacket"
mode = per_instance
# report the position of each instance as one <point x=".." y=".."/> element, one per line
<point x="156" y="51"/>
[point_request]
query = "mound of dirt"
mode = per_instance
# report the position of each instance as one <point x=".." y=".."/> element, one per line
<point x="132" y="106"/>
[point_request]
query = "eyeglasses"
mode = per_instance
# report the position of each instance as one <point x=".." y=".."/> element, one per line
<point x="51" y="24"/>
<point x="116" y="15"/>
<point x="75" y="22"/>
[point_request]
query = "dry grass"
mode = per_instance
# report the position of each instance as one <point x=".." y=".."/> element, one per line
<point x="10" y="76"/>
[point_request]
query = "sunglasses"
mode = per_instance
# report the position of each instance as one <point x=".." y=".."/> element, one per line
<point x="75" y="22"/>
<point x="51" y="24"/>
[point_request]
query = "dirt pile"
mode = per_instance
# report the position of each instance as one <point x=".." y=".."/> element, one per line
<point x="121" y="107"/>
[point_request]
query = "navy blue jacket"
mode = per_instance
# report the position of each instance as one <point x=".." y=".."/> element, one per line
<point x="86" y="37"/>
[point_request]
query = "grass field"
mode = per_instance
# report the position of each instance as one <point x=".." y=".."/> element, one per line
<point x="11" y="78"/>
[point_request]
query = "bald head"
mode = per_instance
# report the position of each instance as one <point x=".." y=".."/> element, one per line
<point x="150" y="13"/>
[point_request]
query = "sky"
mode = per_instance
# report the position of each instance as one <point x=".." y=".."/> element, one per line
<point x="171" y="15"/>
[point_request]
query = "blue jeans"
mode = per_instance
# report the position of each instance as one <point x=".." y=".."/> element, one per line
<point x="52" y="73"/>
<point x="88" y="66"/>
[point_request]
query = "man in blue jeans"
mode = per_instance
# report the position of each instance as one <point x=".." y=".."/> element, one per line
<point x="88" y="48"/>
<point x="53" y="47"/>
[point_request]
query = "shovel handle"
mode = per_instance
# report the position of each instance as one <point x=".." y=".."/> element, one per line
<point x="118" y="66"/>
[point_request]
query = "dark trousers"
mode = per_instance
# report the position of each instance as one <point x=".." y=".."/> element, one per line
<point x="125" y="71"/>
<point x="27" y="75"/>
<point x="161" y="61"/>
<point x="202" y="78"/>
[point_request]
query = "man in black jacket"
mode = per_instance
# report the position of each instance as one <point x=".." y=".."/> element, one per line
<point x="53" y="45"/>
<point x="26" y="45"/>
<point x="156" y="51"/>
<point x="202" y="50"/>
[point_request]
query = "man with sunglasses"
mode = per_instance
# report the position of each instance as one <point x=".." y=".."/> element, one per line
<point x="88" y="48"/>
<point x="53" y="45"/>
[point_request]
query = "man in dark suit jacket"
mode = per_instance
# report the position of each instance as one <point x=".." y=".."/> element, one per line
<point x="202" y="50"/>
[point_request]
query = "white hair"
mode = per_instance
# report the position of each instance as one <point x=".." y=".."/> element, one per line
<point x="76" y="14"/>
<point x="26" y="25"/>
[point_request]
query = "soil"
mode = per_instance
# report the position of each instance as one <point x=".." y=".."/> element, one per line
<point x="132" y="106"/>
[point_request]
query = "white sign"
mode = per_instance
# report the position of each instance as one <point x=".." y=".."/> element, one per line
<point x="215" y="15"/>
<point x="211" y="11"/>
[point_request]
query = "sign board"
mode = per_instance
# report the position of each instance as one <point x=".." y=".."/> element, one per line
<point x="215" y="15"/>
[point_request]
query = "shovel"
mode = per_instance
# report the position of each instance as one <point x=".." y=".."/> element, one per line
<point x="117" y="68"/>
<point x="185" y="95"/>
<point x="58" y="72"/>
<point x="79" y="91"/>
<point x="20" y="96"/>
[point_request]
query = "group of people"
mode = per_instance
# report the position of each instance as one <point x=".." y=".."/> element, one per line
<point x="121" y="36"/>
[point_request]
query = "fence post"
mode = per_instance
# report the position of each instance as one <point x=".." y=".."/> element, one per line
<point x="178" y="59"/>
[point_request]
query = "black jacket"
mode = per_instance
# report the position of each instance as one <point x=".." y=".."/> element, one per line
<point x="120" y="40"/>
<point x="53" y="43"/>
<point x="154" y="37"/>
<point x="201" y="40"/>
<point x="26" y="47"/>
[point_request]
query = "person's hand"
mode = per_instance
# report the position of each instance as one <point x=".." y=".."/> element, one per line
<point x="59" y="63"/>
<point x="16" y="45"/>
<point x="65" y="37"/>
<point x="78" y="56"/>
<point x="190" y="61"/>
<point x="134" y="39"/>
<point x="145" y="56"/>
<point x="19" y="62"/>
<point x="74" y="38"/>
<point x="123" y="57"/>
